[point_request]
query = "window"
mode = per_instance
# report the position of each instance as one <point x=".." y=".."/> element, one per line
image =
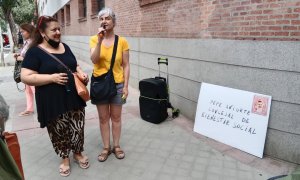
<point x="82" y="8"/>
<point x="97" y="5"/>
<point x="146" y="2"/>
<point x="101" y="4"/>
<point x="62" y="17"/>
<point x="68" y="15"/>
<point x="55" y="16"/>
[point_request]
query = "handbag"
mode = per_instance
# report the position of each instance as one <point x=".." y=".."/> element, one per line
<point x="17" y="74"/>
<point x="9" y="168"/>
<point x="104" y="86"/>
<point x="14" y="149"/>
<point x="81" y="88"/>
<point x="17" y="71"/>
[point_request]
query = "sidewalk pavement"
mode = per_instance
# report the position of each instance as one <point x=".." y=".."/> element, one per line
<point x="170" y="150"/>
<point x="9" y="59"/>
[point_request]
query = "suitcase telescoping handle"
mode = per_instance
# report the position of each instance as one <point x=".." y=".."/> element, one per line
<point x="161" y="60"/>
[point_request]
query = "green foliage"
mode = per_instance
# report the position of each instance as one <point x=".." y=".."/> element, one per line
<point x="3" y="25"/>
<point x="2" y="21"/>
<point x="16" y="9"/>
<point x="24" y="12"/>
<point x="7" y="5"/>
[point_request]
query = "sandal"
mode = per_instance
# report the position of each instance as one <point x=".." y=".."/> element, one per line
<point x="26" y="113"/>
<point x="104" y="154"/>
<point x="118" y="153"/>
<point x="82" y="162"/>
<point x="64" y="170"/>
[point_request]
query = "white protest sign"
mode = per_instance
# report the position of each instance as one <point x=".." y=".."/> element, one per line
<point x="234" y="117"/>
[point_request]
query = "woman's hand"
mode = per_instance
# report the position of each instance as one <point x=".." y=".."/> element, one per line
<point x="125" y="92"/>
<point x="19" y="58"/>
<point x="16" y="55"/>
<point x="101" y="33"/>
<point x="60" y="78"/>
<point x="83" y="76"/>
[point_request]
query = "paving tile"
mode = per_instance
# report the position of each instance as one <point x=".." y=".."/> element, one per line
<point x="198" y="174"/>
<point x="179" y="177"/>
<point x="230" y="172"/>
<point x="215" y="170"/>
<point x="201" y="167"/>
<point x="164" y="176"/>
<point x="212" y="176"/>
<point x="188" y="158"/>
<point x="185" y="165"/>
<point x="182" y="172"/>
<point x="230" y="164"/>
<point x="216" y="163"/>
<point x="154" y="167"/>
<point x="168" y="169"/>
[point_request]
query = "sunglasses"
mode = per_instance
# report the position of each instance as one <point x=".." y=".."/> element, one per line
<point x="42" y="18"/>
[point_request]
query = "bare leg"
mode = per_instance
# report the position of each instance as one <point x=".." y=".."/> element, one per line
<point x="115" y="114"/>
<point x="116" y="111"/>
<point x="66" y="161"/>
<point x="104" y="116"/>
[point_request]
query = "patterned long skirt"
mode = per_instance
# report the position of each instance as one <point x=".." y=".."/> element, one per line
<point x="67" y="132"/>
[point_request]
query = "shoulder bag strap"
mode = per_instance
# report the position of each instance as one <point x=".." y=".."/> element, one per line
<point x="113" y="57"/>
<point x="55" y="58"/>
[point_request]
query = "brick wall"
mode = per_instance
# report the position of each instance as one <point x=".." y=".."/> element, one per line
<point x="224" y="19"/>
<point x="221" y="19"/>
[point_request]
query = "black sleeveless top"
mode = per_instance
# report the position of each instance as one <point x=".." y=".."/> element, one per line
<point x="53" y="99"/>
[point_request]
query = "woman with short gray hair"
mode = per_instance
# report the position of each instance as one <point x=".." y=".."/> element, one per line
<point x="109" y="108"/>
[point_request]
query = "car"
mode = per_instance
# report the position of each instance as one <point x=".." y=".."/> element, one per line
<point x="5" y="39"/>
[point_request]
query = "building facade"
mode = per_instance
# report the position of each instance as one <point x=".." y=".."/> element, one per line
<point x="251" y="45"/>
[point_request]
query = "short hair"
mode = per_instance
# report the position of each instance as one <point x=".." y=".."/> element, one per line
<point x="108" y="11"/>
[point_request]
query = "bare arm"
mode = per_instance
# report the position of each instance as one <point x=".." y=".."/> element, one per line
<point x="126" y="69"/>
<point x="95" y="52"/>
<point x="32" y="78"/>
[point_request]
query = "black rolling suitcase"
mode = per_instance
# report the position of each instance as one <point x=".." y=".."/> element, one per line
<point x="154" y="97"/>
<point x="153" y="100"/>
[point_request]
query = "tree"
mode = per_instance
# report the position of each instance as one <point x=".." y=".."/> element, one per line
<point x="19" y="11"/>
<point x="2" y="22"/>
<point x="24" y="12"/>
<point x="6" y="8"/>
